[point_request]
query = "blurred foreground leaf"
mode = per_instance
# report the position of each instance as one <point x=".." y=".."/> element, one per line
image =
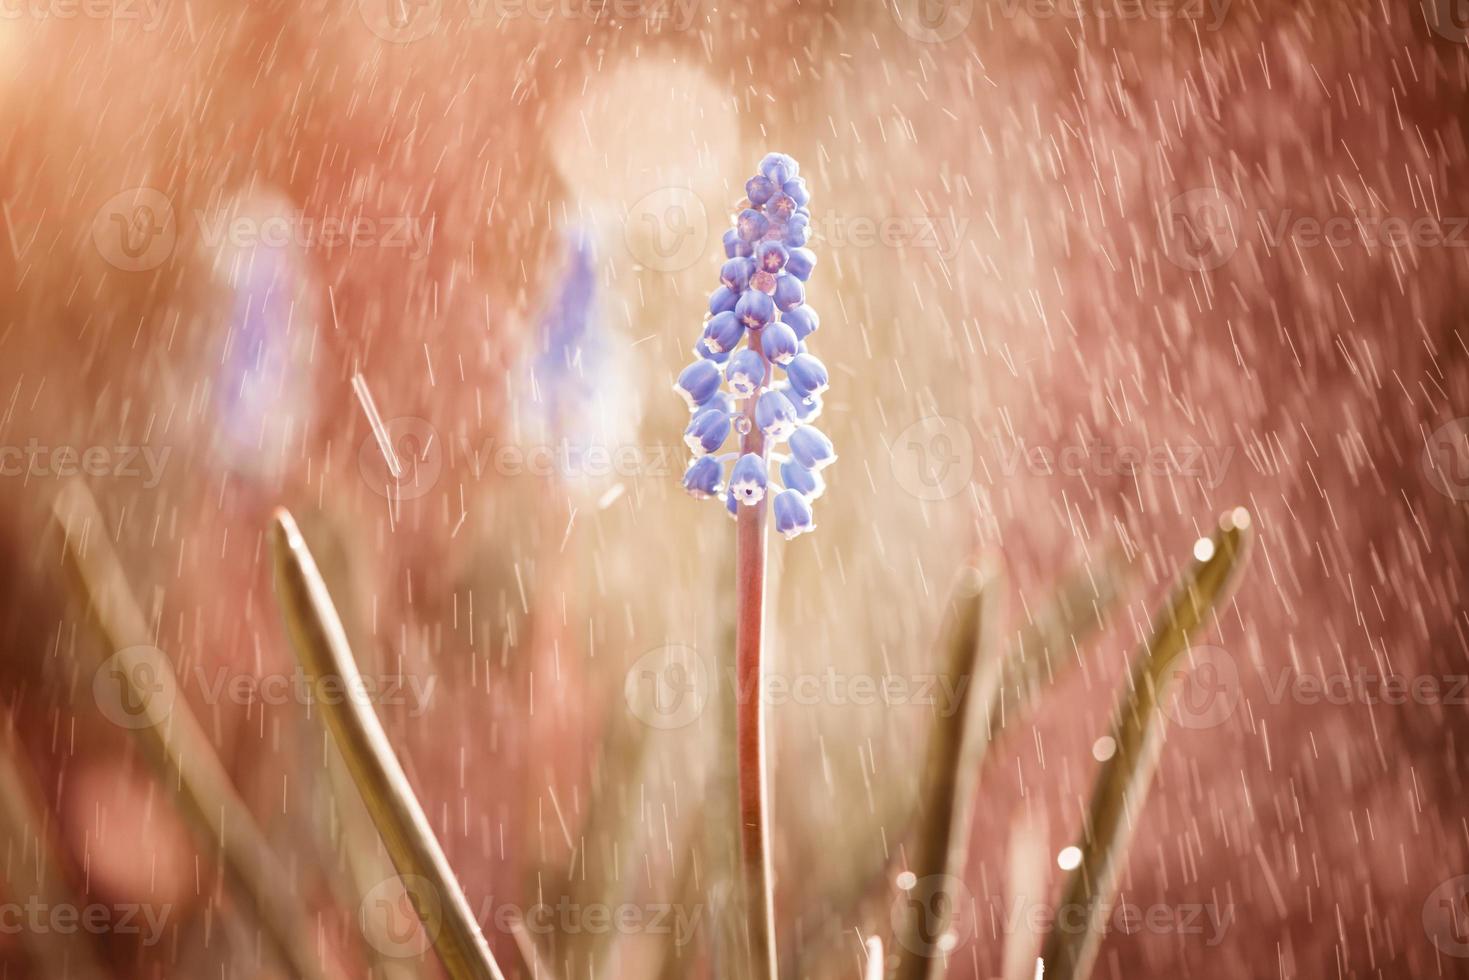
<point x="1047" y="647"/>
<point x="175" y="743"/>
<point x="951" y="773"/>
<point x="1122" y="785"/>
<point x="31" y="872"/>
<point x="321" y="644"/>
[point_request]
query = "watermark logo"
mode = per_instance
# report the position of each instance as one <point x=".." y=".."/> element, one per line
<point x="568" y="918"/>
<point x="1446" y="917"/>
<point x="1209" y="13"/>
<point x="138" y="229"/>
<point x="936" y="21"/>
<point x="933" y="459"/>
<point x="403" y="459"/>
<point x="571" y="460"/>
<point x="667" y="688"/>
<point x="667" y="230"/>
<point x="1371" y="228"/>
<point x="135" y="230"/>
<point x="932" y="21"/>
<point x="1445" y="459"/>
<point x="670" y="687"/>
<point x="1200" y="228"/>
<point x="1367" y="687"/>
<point x="400" y="916"/>
<point x="1449" y="19"/>
<point x="1205" y="688"/>
<point x="135" y="687"/>
<point x="411" y="235"/>
<point x="1024" y="917"/>
<point x="928" y="914"/>
<point x="401" y="21"/>
<point x="1207" y="464"/>
<point x="675" y="15"/>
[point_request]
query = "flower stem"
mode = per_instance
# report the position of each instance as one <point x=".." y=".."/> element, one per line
<point x="750" y="548"/>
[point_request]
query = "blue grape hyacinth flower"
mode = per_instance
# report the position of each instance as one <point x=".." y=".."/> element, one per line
<point x="811" y="448"/>
<point x="702" y="478"/>
<point x="698" y="383"/>
<point x="723" y="332"/>
<point x="707" y="432"/>
<point x="775" y="415"/>
<point x="749" y="480"/>
<point x="754" y="375"/>
<point x="793" y="513"/>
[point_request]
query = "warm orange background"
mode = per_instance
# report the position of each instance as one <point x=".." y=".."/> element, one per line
<point x="1049" y="149"/>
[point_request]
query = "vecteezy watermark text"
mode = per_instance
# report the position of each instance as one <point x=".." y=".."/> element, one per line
<point x="668" y="688"/>
<point x="123" y="919"/>
<point x="1202" y="228"/>
<point x="1366" y="228"/>
<point x="224" y="685"/>
<point x="419" y="456"/>
<point x="394" y="913"/>
<point x="136" y="230"/>
<point x="937" y="21"/>
<point x="570" y="460"/>
<point x="1209" y="13"/>
<point x="147" y="13"/>
<point x="117" y="462"/>
<point x="410" y="234"/>
<point x="406" y="21"/>
<point x="1207" y="687"/>
<point x="1157" y="919"/>
<point x="931" y="916"/>
<point x="1208" y="464"/>
<point x="936" y="458"/>
<point x="137" y="687"/>
<point x="831" y="229"/>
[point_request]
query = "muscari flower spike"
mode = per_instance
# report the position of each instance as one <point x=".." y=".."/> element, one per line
<point x="768" y="391"/>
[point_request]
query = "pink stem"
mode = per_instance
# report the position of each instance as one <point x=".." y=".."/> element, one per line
<point x="750" y="707"/>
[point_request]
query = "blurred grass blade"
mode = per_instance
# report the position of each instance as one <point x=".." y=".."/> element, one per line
<point x="1028" y="862"/>
<point x="175" y="743"/>
<point x="874" y="959"/>
<point x="951" y="773"/>
<point x="346" y="826"/>
<point x="321" y="644"/>
<point x="526" y="943"/>
<point x="1046" y="648"/>
<point x="1122" y="785"/>
<point x="31" y="874"/>
<point x="612" y="827"/>
<point x="673" y="957"/>
<point x="1039" y="656"/>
